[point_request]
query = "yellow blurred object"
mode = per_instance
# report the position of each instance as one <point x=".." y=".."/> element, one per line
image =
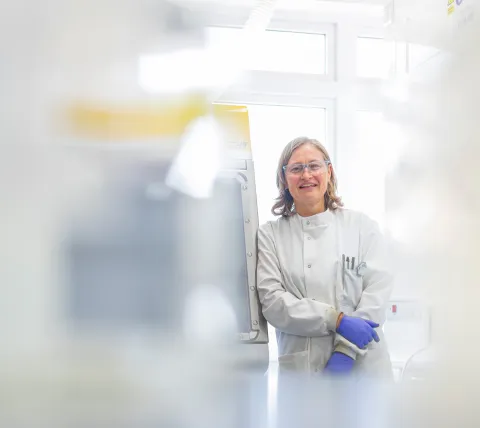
<point x="120" y="123"/>
<point x="233" y="120"/>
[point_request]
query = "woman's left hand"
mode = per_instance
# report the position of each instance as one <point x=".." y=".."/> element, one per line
<point x="339" y="364"/>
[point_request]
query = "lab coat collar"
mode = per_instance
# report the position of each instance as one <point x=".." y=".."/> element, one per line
<point x="317" y="220"/>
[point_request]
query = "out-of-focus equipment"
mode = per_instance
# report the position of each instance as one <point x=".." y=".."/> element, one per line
<point x="149" y="247"/>
<point x="128" y="238"/>
<point x="408" y="331"/>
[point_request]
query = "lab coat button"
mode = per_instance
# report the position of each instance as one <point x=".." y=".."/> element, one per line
<point x="309" y="266"/>
<point x="308" y="222"/>
<point x="309" y="238"/>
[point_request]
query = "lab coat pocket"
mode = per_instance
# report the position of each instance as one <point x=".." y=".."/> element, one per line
<point x="353" y="285"/>
<point x="297" y="361"/>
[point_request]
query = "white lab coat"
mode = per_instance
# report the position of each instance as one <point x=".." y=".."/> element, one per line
<point x="300" y="285"/>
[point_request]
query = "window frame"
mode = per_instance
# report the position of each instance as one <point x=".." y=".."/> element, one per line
<point x="328" y="34"/>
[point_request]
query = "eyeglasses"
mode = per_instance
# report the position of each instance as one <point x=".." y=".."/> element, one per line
<point x="314" y="167"/>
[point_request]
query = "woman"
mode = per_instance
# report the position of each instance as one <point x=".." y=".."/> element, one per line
<point x="322" y="277"/>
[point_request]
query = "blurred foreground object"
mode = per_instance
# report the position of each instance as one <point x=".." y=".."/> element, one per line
<point x="125" y="295"/>
<point x="433" y="211"/>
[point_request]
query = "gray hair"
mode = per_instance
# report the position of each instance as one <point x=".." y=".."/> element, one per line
<point x="284" y="204"/>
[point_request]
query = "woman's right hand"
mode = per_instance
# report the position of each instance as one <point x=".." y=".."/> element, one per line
<point x="358" y="330"/>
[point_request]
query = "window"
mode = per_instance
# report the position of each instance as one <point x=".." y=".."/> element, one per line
<point x="372" y="149"/>
<point x="281" y="51"/>
<point x="375" y="58"/>
<point x="378" y="144"/>
<point x="271" y="128"/>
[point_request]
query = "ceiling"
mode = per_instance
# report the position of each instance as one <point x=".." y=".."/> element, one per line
<point x="317" y="7"/>
<point x="288" y="4"/>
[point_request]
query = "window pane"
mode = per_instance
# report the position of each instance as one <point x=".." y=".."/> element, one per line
<point x="375" y="58"/>
<point x="371" y="142"/>
<point x="276" y="50"/>
<point x="378" y="144"/>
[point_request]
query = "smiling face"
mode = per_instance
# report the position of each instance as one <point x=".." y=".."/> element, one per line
<point x="308" y="187"/>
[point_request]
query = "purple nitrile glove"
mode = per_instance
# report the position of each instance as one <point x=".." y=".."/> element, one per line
<point x="339" y="364"/>
<point x="358" y="330"/>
